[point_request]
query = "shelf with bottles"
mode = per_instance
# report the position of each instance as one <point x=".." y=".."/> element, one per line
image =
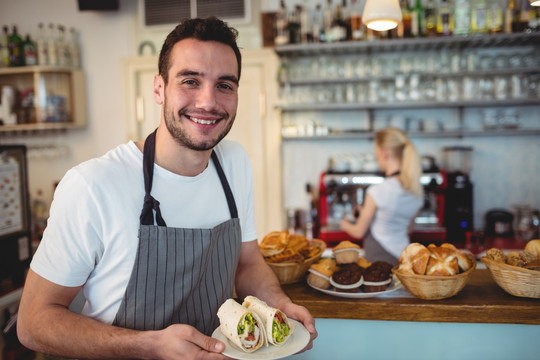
<point x="41" y="98"/>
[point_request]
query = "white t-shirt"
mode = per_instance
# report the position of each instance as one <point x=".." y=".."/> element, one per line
<point x="395" y="210"/>
<point x="92" y="232"/>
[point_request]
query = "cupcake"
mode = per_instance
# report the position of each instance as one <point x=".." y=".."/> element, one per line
<point x="377" y="277"/>
<point x="319" y="275"/>
<point x="346" y="252"/>
<point x="363" y="262"/>
<point x="348" y="278"/>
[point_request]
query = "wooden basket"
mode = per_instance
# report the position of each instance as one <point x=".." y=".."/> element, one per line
<point x="290" y="273"/>
<point x="429" y="287"/>
<point x="514" y="280"/>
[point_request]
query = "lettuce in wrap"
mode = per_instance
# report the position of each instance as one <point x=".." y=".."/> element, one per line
<point x="276" y="324"/>
<point x="243" y="327"/>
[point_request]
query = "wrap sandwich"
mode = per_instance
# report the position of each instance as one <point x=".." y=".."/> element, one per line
<point x="276" y="324"/>
<point x="243" y="327"/>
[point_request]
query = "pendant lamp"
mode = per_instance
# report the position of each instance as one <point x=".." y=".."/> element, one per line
<point x="535" y="2"/>
<point x="381" y="15"/>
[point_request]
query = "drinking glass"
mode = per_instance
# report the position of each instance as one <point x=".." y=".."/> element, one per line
<point x="525" y="228"/>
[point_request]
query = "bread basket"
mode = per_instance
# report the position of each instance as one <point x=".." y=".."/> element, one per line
<point x="429" y="287"/>
<point x="290" y="273"/>
<point x="514" y="280"/>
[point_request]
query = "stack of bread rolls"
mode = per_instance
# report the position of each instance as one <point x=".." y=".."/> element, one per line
<point x="443" y="260"/>
<point x="529" y="258"/>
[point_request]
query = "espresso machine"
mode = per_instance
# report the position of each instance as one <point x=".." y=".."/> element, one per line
<point x="458" y="207"/>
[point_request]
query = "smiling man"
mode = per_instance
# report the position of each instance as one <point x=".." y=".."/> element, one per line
<point x="157" y="233"/>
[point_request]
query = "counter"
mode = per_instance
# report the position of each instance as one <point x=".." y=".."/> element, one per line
<point x="480" y="301"/>
<point x="481" y="322"/>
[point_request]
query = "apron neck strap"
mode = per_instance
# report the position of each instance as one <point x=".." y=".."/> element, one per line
<point x="226" y="187"/>
<point x="147" y="215"/>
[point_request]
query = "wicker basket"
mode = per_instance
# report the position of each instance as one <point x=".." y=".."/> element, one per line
<point x="429" y="287"/>
<point x="514" y="280"/>
<point x="290" y="273"/>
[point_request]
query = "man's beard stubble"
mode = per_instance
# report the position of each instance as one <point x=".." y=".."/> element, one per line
<point x="181" y="136"/>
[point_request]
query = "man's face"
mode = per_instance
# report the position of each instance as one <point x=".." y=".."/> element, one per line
<point x="201" y="98"/>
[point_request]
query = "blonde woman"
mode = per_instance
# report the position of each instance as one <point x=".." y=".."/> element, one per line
<point x="387" y="215"/>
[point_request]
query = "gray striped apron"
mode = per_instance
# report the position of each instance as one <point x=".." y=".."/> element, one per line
<point x="180" y="276"/>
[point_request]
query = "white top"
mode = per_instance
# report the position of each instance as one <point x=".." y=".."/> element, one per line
<point x="395" y="210"/>
<point x="92" y="232"/>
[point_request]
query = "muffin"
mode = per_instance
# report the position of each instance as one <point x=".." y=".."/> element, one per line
<point x="377" y="277"/>
<point x="348" y="278"/>
<point x="319" y="275"/>
<point x="346" y="252"/>
<point x="363" y="262"/>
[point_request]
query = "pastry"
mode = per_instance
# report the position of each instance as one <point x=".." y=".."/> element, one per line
<point x="348" y="278"/>
<point x="464" y="262"/>
<point x="496" y="255"/>
<point x="414" y="259"/>
<point x="533" y="265"/>
<point x="362" y="262"/>
<point x="377" y="277"/>
<point x="346" y="252"/>
<point x="319" y="275"/>
<point x="519" y="258"/>
<point x="533" y="247"/>
<point x="273" y="243"/>
<point x="330" y="263"/>
<point x="442" y="261"/>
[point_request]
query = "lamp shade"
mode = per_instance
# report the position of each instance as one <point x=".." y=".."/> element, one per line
<point x="535" y="2"/>
<point x="381" y="15"/>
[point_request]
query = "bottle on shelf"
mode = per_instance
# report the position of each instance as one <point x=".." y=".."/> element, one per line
<point x="317" y="23"/>
<point x="62" y="48"/>
<point x="282" y="35"/>
<point x="404" y="27"/>
<point x="430" y="18"/>
<point x="51" y="45"/>
<point x="42" y="46"/>
<point x="74" y="48"/>
<point x="338" y="27"/>
<point x="306" y="35"/>
<point x="495" y="21"/>
<point x="357" y="28"/>
<point x="417" y="19"/>
<point x="479" y="17"/>
<point x="445" y="18"/>
<point x="4" y="50"/>
<point x="532" y="26"/>
<point x="293" y="26"/>
<point x="327" y="21"/>
<point x="15" y="46"/>
<point x="30" y="51"/>
<point x="462" y="17"/>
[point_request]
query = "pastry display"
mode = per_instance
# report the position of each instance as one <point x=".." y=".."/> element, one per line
<point x="348" y="278"/>
<point x="346" y="252"/>
<point x="377" y="277"/>
<point x="443" y="260"/>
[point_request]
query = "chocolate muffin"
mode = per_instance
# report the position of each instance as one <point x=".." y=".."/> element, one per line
<point x="377" y="277"/>
<point x="348" y="278"/>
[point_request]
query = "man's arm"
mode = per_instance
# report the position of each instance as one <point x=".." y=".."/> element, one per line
<point x="255" y="277"/>
<point x="46" y="324"/>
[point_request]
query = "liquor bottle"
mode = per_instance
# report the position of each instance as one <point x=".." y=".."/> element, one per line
<point x="430" y="18"/>
<point x="533" y="20"/>
<point x="417" y="19"/>
<point x="51" y="46"/>
<point x="405" y="24"/>
<point x="524" y="16"/>
<point x="62" y="48"/>
<point x="357" y="30"/>
<point x="462" y="17"/>
<point x="42" y="46"/>
<point x="293" y="26"/>
<point x="445" y="18"/>
<point x="339" y="29"/>
<point x="29" y="51"/>
<point x="15" y="43"/>
<point x="494" y="18"/>
<point x="282" y="35"/>
<point x="327" y="21"/>
<point x="4" y="50"/>
<point x="317" y="22"/>
<point x="74" y="48"/>
<point x="479" y="14"/>
<point x="306" y="35"/>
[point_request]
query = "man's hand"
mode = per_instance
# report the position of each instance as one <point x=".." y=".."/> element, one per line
<point x="301" y="314"/>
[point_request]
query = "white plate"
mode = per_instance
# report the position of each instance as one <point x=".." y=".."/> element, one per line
<point x="298" y="341"/>
<point x="396" y="284"/>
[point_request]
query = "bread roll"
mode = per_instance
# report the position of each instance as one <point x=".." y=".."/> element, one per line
<point x="533" y="247"/>
<point x="496" y="255"/>
<point x="442" y="261"/>
<point x="464" y="262"/>
<point x="414" y="259"/>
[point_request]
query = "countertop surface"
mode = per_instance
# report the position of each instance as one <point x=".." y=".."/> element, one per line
<point x="480" y="301"/>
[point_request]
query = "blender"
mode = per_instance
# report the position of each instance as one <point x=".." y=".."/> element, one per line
<point x="458" y="206"/>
